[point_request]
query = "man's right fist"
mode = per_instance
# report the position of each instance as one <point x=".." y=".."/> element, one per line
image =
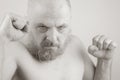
<point x="13" y="27"/>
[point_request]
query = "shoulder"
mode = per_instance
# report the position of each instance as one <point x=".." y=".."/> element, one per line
<point x="88" y="64"/>
<point x="14" y="49"/>
<point x="78" y="44"/>
<point x="79" y="47"/>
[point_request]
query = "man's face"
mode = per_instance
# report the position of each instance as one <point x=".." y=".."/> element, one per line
<point x="49" y="27"/>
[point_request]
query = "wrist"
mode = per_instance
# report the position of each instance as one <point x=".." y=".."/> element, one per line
<point x="105" y="61"/>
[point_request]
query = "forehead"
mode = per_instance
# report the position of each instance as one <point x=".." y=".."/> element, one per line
<point x="49" y="13"/>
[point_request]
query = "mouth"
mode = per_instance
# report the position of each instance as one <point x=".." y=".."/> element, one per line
<point x="51" y="48"/>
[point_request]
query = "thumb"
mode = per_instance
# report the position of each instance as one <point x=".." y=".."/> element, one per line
<point x="19" y="22"/>
<point x="92" y="50"/>
<point x="15" y="34"/>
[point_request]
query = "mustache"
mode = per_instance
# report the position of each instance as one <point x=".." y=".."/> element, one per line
<point x="48" y="43"/>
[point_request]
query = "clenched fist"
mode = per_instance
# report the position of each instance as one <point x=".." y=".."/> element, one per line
<point x="13" y="27"/>
<point x="102" y="47"/>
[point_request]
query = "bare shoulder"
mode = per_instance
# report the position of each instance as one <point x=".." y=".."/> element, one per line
<point x="89" y="66"/>
<point x="14" y="49"/>
<point x="78" y="44"/>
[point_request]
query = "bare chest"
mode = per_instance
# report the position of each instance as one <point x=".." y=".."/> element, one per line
<point x="67" y="67"/>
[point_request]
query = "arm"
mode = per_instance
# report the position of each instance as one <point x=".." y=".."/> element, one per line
<point x="7" y="63"/>
<point x="1" y="56"/>
<point x="9" y="69"/>
<point x="11" y="29"/>
<point x="89" y="67"/>
<point x="103" y="70"/>
<point x="103" y="49"/>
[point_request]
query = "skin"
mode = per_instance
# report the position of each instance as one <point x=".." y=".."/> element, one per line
<point x="43" y="48"/>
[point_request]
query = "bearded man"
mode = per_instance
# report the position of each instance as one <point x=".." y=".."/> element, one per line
<point x="42" y="47"/>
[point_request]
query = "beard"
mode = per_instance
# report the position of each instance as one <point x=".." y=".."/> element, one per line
<point x="49" y="51"/>
<point x="48" y="54"/>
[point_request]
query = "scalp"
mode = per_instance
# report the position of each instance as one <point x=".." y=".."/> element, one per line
<point x="48" y="4"/>
<point x="50" y="1"/>
<point x="48" y="9"/>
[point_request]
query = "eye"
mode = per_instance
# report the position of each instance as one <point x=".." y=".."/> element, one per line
<point x="42" y="28"/>
<point x="60" y="28"/>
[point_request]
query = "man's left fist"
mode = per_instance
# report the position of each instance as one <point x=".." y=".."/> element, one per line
<point x="102" y="47"/>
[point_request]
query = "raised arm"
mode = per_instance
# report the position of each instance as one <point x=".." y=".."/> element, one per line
<point x="1" y="56"/>
<point x="103" y="49"/>
<point x="12" y="28"/>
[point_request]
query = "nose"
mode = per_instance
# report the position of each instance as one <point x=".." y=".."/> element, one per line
<point x="52" y="35"/>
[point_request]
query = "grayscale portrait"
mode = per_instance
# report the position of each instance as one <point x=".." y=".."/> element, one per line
<point x="59" y="40"/>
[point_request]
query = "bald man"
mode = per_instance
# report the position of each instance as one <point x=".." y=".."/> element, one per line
<point x="42" y="47"/>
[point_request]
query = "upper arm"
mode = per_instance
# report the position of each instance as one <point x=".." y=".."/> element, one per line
<point x="89" y="67"/>
<point x="9" y="63"/>
<point x="1" y="56"/>
<point x="9" y="68"/>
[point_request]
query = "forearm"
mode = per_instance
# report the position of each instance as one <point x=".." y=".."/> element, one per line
<point x="103" y="70"/>
<point x="1" y="56"/>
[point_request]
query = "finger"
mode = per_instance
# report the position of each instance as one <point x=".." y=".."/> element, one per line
<point x="17" y="21"/>
<point x="95" y="40"/>
<point x="106" y="43"/>
<point x="92" y="49"/>
<point x="112" y="45"/>
<point x="100" y="42"/>
<point x="19" y="24"/>
<point x="16" y="34"/>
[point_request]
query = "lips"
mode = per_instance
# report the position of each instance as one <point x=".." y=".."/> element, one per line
<point x="53" y="48"/>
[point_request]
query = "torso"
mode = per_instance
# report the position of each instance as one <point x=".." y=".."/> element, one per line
<point x="68" y="66"/>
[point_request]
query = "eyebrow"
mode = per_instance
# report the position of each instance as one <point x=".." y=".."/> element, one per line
<point x="41" y="24"/>
<point x="63" y="25"/>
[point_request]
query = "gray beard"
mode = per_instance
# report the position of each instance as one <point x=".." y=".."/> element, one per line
<point x="43" y="55"/>
<point x="48" y="54"/>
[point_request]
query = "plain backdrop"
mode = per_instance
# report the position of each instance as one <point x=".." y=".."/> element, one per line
<point x="89" y="18"/>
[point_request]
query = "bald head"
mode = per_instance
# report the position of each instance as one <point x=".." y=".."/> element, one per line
<point x="31" y="2"/>
<point x="48" y="6"/>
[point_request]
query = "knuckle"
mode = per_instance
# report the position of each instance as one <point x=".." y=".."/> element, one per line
<point x="97" y="40"/>
<point x="95" y="37"/>
<point x="100" y="42"/>
<point x="93" y="40"/>
<point x="113" y="44"/>
<point x="107" y="41"/>
<point x="9" y="15"/>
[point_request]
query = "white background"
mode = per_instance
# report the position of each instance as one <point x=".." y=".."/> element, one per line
<point x="90" y="17"/>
